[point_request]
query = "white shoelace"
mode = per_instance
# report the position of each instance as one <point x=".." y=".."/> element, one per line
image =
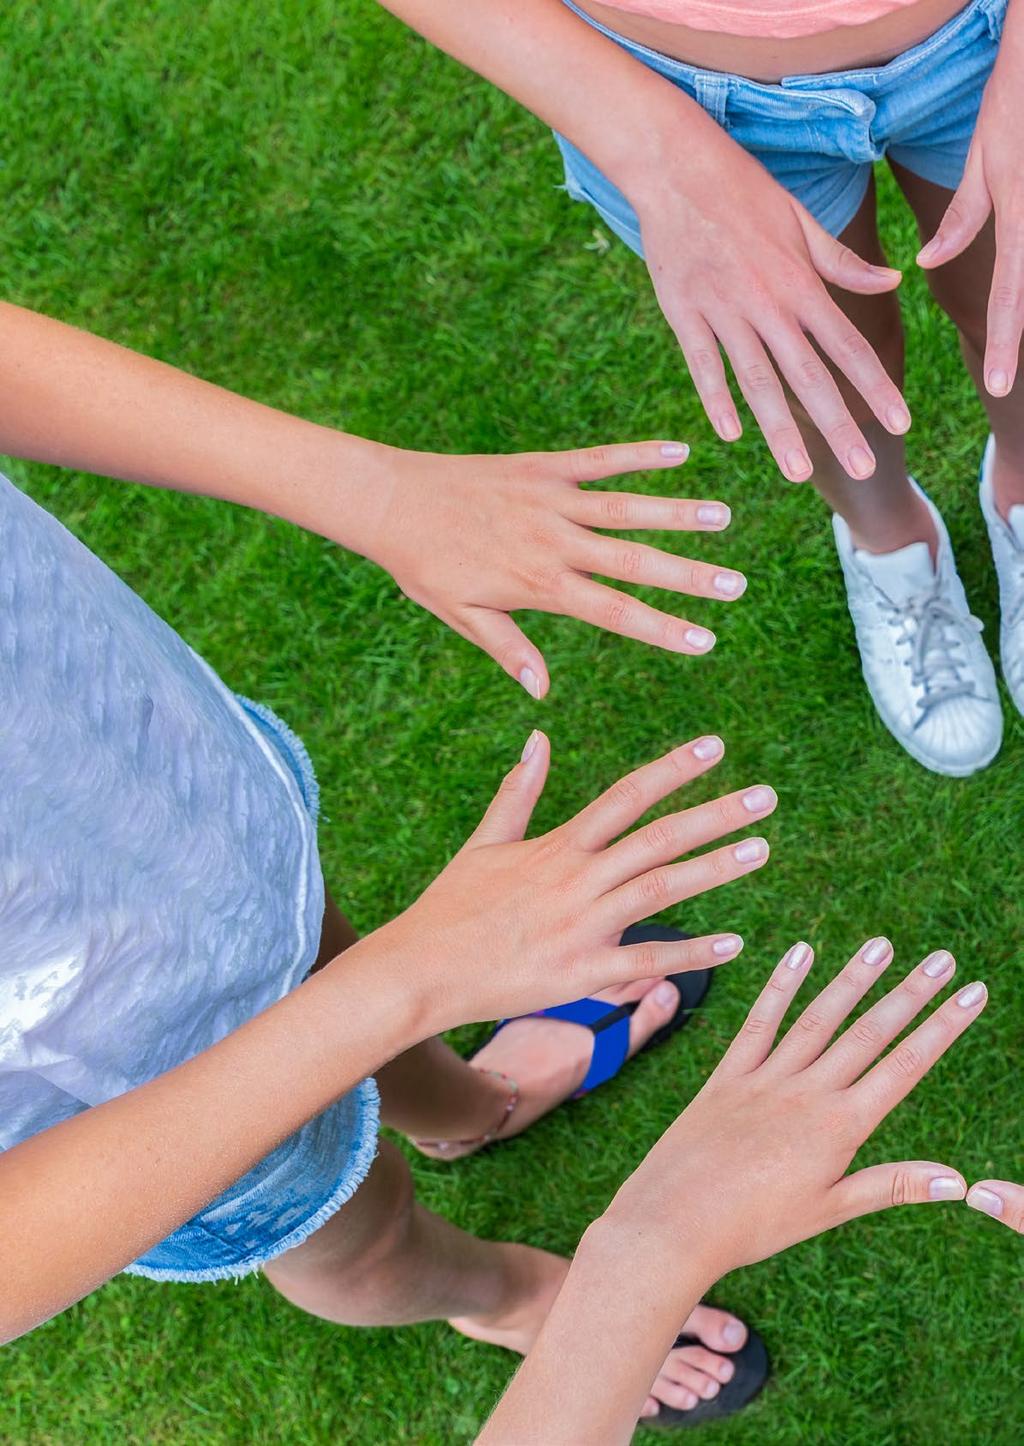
<point x="925" y="619"/>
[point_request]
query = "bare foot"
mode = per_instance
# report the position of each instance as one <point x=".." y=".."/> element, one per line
<point x="548" y="1059"/>
<point x="689" y="1375"/>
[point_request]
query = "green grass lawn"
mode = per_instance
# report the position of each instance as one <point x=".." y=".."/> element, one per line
<point x="304" y="202"/>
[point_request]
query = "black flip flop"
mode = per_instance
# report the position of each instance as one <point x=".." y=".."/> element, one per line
<point x="752" y="1369"/>
<point x="609" y="1023"/>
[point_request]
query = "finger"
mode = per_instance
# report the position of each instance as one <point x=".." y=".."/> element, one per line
<point x="704" y="363"/>
<point x="766" y="399"/>
<point x="619" y="807"/>
<point x="857" y="359"/>
<point x="625" y="963"/>
<point x="508" y="816"/>
<point x="964" y="217"/>
<point x="893" y="1077"/>
<point x="752" y="1046"/>
<point x="634" y="562"/>
<point x="672" y="883"/>
<point x="811" y="1032"/>
<point x="503" y="640"/>
<point x="593" y="464"/>
<point x="666" y="838"/>
<point x="1000" y="1199"/>
<point x="837" y="264"/>
<point x="810" y="379"/>
<point x="616" y="612"/>
<point x="1005" y="309"/>
<point x="875" y="1030"/>
<point x="910" y="1182"/>
<point x="629" y="510"/>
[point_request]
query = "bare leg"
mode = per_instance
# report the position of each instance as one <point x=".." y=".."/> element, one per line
<point x="961" y="288"/>
<point x="883" y="511"/>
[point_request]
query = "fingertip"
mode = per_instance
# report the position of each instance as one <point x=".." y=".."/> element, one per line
<point x="797" y="957"/>
<point x="714" y="515"/>
<point x="674" y="453"/>
<point x="998" y="382"/>
<point x="698" y="640"/>
<point x="985" y="1198"/>
<point x="725" y="947"/>
<point x="728" y="427"/>
<point x="708" y="748"/>
<point x="535" y="684"/>
<point x="947" y="1185"/>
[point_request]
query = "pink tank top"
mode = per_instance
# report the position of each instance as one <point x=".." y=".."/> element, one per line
<point x="772" y="19"/>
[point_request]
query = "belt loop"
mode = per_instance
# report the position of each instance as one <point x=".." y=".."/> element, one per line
<point x="711" y="92"/>
<point x="994" y="12"/>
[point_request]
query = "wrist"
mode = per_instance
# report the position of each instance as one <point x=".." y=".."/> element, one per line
<point x="377" y="978"/>
<point x="659" y="1256"/>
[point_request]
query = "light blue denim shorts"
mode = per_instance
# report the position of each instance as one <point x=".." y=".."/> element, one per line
<point x="302" y="1183"/>
<point x="820" y="135"/>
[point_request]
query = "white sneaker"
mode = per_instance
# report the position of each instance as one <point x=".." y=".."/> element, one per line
<point x="924" y="662"/>
<point x="1007" y="540"/>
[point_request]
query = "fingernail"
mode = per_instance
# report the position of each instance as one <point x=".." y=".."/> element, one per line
<point x="750" y="850"/>
<point x="733" y="1333"/>
<point x="676" y="450"/>
<point x="973" y="994"/>
<point x="945" y="1187"/>
<point x="937" y="964"/>
<point x="927" y="252"/>
<point x="728" y="428"/>
<point x="529" y="747"/>
<point x="727" y="947"/>
<point x="876" y="951"/>
<point x="709" y="747"/>
<point x="978" y="1198"/>
<point x="797" y="957"/>
<point x="700" y="639"/>
<point x="886" y="271"/>
<point x="756" y="800"/>
<point x="530" y="682"/>
<point x="730" y="584"/>
<point x="798" y="464"/>
<point x="998" y="383"/>
<point x="713" y="514"/>
<point x="897" y="419"/>
<point x="860" y="462"/>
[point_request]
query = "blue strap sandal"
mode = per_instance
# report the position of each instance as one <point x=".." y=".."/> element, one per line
<point x="609" y="1024"/>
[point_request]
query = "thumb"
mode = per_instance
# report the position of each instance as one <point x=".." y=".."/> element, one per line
<point x="964" y="217"/>
<point x="509" y="814"/>
<point x="836" y="263"/>
<point x="508" y="645"/>
<point x="909" y="1182"/>
<point x="1000" y="1199"/>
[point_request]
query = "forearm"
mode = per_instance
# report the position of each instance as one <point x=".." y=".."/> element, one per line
<point x="604" y="1341"/>
<point x="633" y="124"/>
<point x="83" y="1199"/>
<point x="73" y="399"/>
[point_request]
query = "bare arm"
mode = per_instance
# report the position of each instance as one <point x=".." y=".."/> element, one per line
<point x="83" y="1199"/>
<point x="735" y="261"/>
<point x="80" y="1201"/>
<point x="757" y="1162"/>
<point x="469" y="538"/>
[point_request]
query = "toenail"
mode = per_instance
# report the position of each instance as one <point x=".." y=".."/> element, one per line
<point x="689" y="1400"/>
<point x="732" y="1333"/>
<point x="666" y="994"/>
<point x="726" y="1371"/>
<point x="711" y="1390"/>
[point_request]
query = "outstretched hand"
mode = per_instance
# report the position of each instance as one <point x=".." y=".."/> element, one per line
<point x="473" y="539"/>
<point x="512" y="924"/>
<point x="759" y="1159"/>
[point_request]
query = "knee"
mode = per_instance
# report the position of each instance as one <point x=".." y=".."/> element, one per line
<point x="353" y="1252"/>
<point x="967" y="310"/>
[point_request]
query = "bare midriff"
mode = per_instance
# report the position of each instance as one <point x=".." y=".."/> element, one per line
<point x="847" y="47"/>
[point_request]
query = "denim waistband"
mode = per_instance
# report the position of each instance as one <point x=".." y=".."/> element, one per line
<point x="712" y="88"/>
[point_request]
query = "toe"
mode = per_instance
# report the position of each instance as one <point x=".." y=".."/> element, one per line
<point x="656" y="1008"/>
<point x="719" y="1330"/>
<point x="698" y="1358"/>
